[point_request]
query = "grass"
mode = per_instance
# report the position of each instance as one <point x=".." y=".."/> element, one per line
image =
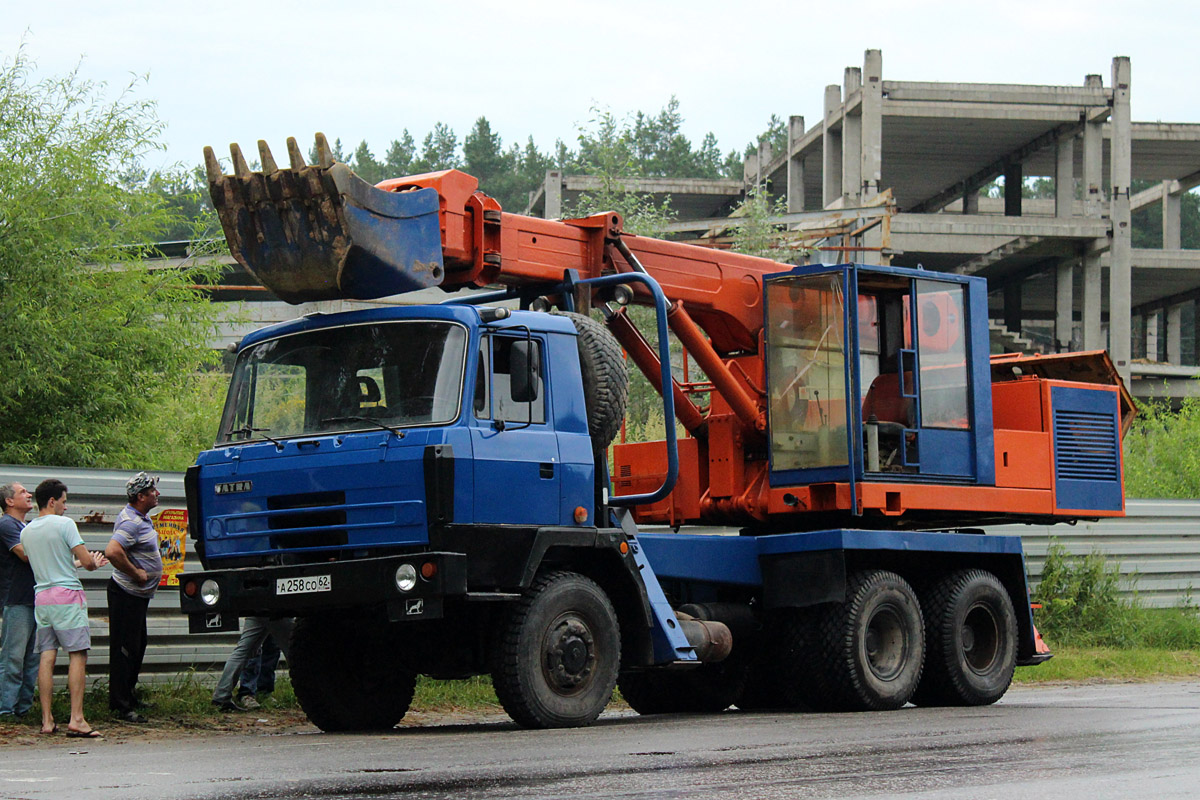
<point x="1140" y="664"/>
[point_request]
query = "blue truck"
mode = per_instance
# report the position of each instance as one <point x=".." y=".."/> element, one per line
<point x="430" y="489"/>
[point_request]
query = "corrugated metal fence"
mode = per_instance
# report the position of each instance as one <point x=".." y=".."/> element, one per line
<point x="1157" y="546"/>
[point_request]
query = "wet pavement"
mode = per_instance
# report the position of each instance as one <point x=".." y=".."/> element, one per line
<point x="1097" y="742"/>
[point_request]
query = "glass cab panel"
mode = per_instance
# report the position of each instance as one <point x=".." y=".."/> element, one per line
<point x="807" y="373"/>
<point x="879" y="386"/>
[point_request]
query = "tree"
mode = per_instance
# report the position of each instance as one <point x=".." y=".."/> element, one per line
<point x="439" y="150"/>
<point x="366" y="166"/>
<point x="96" y="345"/>
<point x="399" y="156"/>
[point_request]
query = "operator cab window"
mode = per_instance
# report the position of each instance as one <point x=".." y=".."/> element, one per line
<point x="498" y="396"/>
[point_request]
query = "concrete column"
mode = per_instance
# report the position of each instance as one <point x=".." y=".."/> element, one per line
<point x="1152" y="335"/>
<point x="871" y="171"/>
<point x="1121" y="251"/>
<point x="970" y="202"/>
<point x="795" y="166"/>
<point x="1064" y="177"/>
<point x="1013" y="179"/>
<point x="1093" y="162"/>
<point x="1175" y="335"/>
<point x="1093" y="333"/>
<point x="1171" y="211"/>
<point x="831" y="147"/>
<point x="852" y="140"/>
<point x="1064" y="310"/>
<point x="1012" y="306"/>
<point x="1093" y="206"/>
<point x="750" y="170"/>
<point x="765" y="154"/>
<point x="554" y="195"/>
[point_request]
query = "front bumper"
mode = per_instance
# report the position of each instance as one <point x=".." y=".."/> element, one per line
<point x="361" y="583"/>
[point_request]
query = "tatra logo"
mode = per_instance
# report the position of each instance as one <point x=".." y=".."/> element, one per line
<point x="235" y="487"/>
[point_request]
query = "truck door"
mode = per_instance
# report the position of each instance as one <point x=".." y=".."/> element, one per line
<point x="515" y="452"/>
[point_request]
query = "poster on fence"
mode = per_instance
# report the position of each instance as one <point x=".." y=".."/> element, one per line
<point x="171" y="525"/>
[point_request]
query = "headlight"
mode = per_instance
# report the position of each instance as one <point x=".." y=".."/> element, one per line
<point x="406" y="577"/>
<point x="210" y="592"/>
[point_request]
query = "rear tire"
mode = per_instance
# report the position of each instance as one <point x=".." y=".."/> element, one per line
<point x="558" y="651"/>
<point x="346" y="674"/>
<point x="871" y="647"/>
<point x="971" y="641"/>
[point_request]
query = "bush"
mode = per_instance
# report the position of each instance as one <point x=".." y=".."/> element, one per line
<point x="1082" y="607"/>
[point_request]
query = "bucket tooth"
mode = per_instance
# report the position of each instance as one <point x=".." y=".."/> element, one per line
<point x="268" y="160"/>
<point x="240" y="167"/>
<point x="324" y="155"/>
<point x="295" y="155"/>
<point x="212" y="166"/>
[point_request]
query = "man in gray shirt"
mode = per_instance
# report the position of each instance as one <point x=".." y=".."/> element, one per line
<point x="137" y="567"/>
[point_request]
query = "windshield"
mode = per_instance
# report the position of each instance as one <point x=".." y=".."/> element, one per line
<point x="360" y="377"/>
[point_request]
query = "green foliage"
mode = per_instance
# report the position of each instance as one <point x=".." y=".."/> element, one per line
<point x="96" y="344"/>
<point x="1147" y="220"/>
<point x="1082" y="607"/>
<point x="1162" y="451"/>
<point x="606" y="151"/>
<point x="754" y="235"/>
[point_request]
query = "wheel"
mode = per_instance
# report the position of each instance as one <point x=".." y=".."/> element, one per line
<point x="346" y="676"/>
<point x="785" y="674"/>
<point x="706" y="689"/>
<point x="870" y="648"/>
<point x="970" y="641"/>
<point x="605" y="379"/>
<point x="556" y="657"/>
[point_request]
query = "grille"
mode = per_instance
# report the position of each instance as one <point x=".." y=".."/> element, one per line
<point x="1085" y="446"/>
<point x="323" y="523"/>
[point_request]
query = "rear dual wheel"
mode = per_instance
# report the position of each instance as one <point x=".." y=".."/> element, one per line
<point x="971" y="641"/>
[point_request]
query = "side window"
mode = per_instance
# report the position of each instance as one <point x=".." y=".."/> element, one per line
<point x="501" y="397"/>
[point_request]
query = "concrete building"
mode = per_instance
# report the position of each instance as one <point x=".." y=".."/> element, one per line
<point x="892" y="173"/>
<point x="1062" y="271"/>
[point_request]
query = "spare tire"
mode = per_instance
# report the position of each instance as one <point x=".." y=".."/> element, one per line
<point x="605" y="381"/>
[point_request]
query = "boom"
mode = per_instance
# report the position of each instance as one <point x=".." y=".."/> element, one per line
<point x="794" y="418"/>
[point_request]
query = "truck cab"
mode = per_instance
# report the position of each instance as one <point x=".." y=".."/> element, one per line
<point x="346" y="434"/>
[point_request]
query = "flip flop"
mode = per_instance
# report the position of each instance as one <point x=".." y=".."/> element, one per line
<point x="92" y="734"/>
<point x="52" y="731"/>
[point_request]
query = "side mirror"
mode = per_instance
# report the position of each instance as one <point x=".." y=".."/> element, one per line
<point x="525" y="370"/>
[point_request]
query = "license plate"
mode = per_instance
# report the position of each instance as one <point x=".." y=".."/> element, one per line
<point x="313" y="583"/>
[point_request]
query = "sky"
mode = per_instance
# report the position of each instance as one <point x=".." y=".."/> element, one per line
<point x="242" y="71"/>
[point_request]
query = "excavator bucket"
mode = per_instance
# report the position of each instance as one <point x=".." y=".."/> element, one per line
<point x="320" y="232"/>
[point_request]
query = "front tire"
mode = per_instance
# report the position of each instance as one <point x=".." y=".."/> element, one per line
<point x="971" y="641"/>
<point x="706" y="689"/>
<point x="557" y="653"/>
<point x="346" y="674"/>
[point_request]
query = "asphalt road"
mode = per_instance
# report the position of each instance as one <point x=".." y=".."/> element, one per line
<point x="1094" y="742"/>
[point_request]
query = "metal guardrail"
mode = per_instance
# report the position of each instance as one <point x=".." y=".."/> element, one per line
<point x="1157" y="546"/>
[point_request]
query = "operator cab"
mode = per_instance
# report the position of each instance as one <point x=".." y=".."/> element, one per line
<point x="890" y="385"/>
